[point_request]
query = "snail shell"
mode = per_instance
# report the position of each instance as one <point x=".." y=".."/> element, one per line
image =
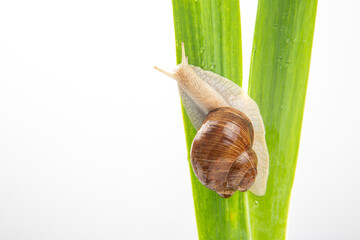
<point x="205" y="95"/>
<point x="221" y="153"/>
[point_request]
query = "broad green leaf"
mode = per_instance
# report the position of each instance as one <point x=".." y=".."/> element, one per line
<point x="278" y="78"/>
<point x="211" y="33"/>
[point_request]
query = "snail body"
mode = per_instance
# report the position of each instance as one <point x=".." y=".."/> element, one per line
<point x="229" y="151"/>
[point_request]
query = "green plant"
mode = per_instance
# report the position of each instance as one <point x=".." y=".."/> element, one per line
<point x="278" y="78"/>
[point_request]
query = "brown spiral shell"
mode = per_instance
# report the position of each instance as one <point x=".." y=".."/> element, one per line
<point x="221" y="153"/>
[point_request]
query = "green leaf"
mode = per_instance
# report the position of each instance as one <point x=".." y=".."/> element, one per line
<point x="211" y="33"/>
<point x="278" y="79"/>
<point x="284" y="30"/>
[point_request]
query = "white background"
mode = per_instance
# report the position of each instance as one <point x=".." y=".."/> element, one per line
<point x="91" y="136"/>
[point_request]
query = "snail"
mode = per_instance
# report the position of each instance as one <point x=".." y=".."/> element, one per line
<point x="229" y="151"/>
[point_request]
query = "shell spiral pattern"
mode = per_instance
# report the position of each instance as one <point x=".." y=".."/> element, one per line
<point x="221" y="155"/>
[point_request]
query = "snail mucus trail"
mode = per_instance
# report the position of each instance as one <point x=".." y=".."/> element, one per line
<point x="229" y="151"/>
